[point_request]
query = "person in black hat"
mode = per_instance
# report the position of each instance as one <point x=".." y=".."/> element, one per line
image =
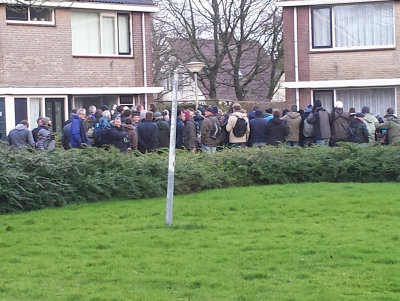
<point x="358" y="132"/>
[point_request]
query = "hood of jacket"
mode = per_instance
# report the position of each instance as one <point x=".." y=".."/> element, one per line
<point x="293" y="115"/>
<point x="20" y="127"/>
<point x="239" y="114"/>
<point x="369" y="118"/>
<point x="129" y="127"/>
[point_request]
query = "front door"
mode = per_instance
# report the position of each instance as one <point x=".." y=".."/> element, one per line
<point x="2" y="118"/>
<point x="55" y="111"/>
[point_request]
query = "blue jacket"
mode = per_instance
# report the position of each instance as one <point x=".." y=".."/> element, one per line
<point x="77" y="133"/>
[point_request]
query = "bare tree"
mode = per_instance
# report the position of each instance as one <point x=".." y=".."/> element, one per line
<point x="236" y="37"/>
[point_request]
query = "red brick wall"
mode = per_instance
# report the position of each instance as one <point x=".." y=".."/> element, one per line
<point x="42" y="56"/>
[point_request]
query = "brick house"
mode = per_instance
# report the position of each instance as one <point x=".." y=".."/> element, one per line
<point x="346" y="50"/>
<point x="65" y="55"/>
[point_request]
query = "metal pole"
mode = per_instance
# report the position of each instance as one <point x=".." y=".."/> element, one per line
<point x="171" y="162"/>
<point x="195" y="90"/>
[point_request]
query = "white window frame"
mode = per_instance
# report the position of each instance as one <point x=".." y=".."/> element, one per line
<point x="334" y="48"/>
<point x="116" y="38"/>
<point x="34" y="22"/>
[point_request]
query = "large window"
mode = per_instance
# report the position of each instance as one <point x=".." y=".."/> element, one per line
<point x="377" y="99"/>
<point x="96" y="33"/>
<point x="29" y="14"/>
<point x="355" y="25"/>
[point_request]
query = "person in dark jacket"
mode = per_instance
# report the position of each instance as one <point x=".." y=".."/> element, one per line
<point x="277" y="129"/>
<point x="147" y="134"/>
<point x="131" y="134"/>
<point x="21" y="137"/>
<point x="258" y="129"/>
<point x="339" y="123"/>
<point x="179" y="130"/>
<point x="358" y="132"/>
<point x="198" y="119"/>
<point x="209" y="141"/>
<point x="189" y="131"/>
<point x="117" y="136"/>
<point x="320" y="119"/>
<point x="163" y="130"/>
<point x="35" y="131"/>
<point x="78" y="136"/>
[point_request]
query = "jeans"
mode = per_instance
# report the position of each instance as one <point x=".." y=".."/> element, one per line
<point x="322" y="141"/>
<point x="208" y="149"/>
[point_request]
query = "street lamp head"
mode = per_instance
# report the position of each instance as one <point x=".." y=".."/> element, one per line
<point x="195" y="67"/>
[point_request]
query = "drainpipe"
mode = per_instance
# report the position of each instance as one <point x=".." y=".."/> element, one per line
<point x="144" y="59"/>
<point x="296" y="56"/>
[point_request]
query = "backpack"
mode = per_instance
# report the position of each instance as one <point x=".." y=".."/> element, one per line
<point x="240" y="128"/>
<point x="216" y="131"/>
<point x="101" y="130"/>
<point x="308" y="129"/>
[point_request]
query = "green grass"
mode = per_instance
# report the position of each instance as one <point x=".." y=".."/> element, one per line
<point x="316" y="241"/>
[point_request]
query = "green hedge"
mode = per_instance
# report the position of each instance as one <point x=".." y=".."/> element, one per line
<point x="34" y="180"/>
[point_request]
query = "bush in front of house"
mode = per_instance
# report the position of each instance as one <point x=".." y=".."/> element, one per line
<point x="34" y="180"/>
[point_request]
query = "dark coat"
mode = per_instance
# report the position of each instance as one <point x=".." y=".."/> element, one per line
<point x="339" y="124"/>
<point x="258" y="130"/>
<point x="163" y="133"/>
<point x="117" y="136"/>
<point x="179" y="133"/>
<point x="358" y="131"/>
<point x="77" y="133"/>
<point x="189" y="134"/>
<point x="321" y="122"/>
<point x="147" y="136"/>
<point x="66" y="136"/>
<point x="207" y="129"/>
<point x="277" y="130"/>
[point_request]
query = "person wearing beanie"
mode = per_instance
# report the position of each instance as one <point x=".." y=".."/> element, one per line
<point x="163" y="130"/>
<point x="320" y="120"/>
<point x="293" y="122"/>
<point x="371" y="122"/>
<point x="340" y="121"/>
<point x="358" y="132"/>
<point x="258" y="129"/>
<point x="277" y="129"/>
<point x="189" y="132"/>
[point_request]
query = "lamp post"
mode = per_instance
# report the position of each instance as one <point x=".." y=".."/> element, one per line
<point x="195" y="67"/>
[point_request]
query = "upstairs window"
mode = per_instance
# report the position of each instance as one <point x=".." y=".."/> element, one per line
<point x="29" y="14"/>
<point x="353" y="26"/>
<point x="97" y="33"/>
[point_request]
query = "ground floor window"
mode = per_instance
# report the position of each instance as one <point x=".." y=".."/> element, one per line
<point x="377" y="99"/>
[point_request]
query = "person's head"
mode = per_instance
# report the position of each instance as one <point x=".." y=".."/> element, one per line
<point x="268" y="111"/>
<point x="258" y="113"/>
<point x="237" y="107"/>
<point x="25" y="123"/>
<point x="117" y="121"/>
<point x="185" y="115"/>
<point x="106" y="114"/>
<point x="152" y="107"/>
<point x="308" y="108"/>
<point x="46" y="121"/>
<point x="276" y="113"/>
<point x="360" y="116"/>
<point x="215" y="109"/>
<point x="136" y="117"/>
<point x="352" y="110"/>
<point x="39" y="121"/>
<point x="149" y="115"/>
<point x="293" y="108"/>
<point x="158" y="116"/>
<point x="255" y="108"/>
<point x="390" y="111"/>
<point x="209" y="111"/>
<point x="74" y="111"/>
<point x="128" y="120"/>
<point x="365" y="110"/>
<point x="139" y="108"/>
<point x="105" y="108"/>
<point x="92" y="110"/>
<point x="127" y="113"/>
<point x="120" y="108"/>
<point x="98" y="113"/>
<point x="339" y="105"/>
<point x="317" y="103"/>
<point x="81" y="114"/>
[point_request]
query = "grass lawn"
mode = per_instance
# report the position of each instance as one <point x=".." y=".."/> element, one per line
<point x="317" y="241"/>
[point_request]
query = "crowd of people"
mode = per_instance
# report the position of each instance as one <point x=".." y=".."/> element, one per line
<point x="208" y="129"/>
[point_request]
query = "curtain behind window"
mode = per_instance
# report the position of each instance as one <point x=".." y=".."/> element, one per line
<point x="34" y="114"/>
<point x="108" y="41"/>
<point x="321" y="27"/>
<point x="85" y="33"/>
<point x="364" y="24"/>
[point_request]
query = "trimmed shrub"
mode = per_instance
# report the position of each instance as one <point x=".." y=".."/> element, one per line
<point x="34" y="180"/>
